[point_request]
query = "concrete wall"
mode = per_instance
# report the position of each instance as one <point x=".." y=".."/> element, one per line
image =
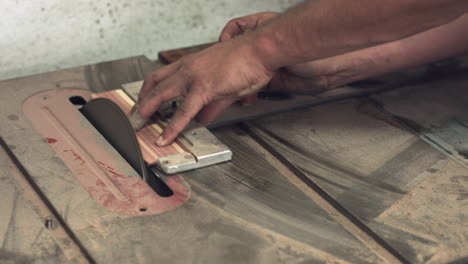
<point x="46" y="35"/>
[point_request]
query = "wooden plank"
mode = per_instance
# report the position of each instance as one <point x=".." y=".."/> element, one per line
<point x="322" y="199"/>
<point x="24" y="237"/>
<point x="436" y="111"/>
<point x="380" y="170"/>
<point x="70" y="247"/>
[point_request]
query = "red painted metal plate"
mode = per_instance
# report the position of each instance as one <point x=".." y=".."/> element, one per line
<point x="98" y="167"/>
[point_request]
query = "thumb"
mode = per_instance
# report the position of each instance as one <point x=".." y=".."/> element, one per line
<point x="233" y="28"/>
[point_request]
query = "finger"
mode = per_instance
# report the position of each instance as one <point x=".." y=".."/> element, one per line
<point x="154" y="78"/>
<point x="192" y="104"/>
<point x="233" y="28"/>
<point x="213" y="110"/>
<point x="239" y="25"/>
<point x="166" y="90"/>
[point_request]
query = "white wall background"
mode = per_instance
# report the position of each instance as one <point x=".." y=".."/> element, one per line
<point x="45" y="35"/>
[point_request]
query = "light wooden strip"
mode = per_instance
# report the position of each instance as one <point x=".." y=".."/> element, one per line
<point x="157" y="127"/>
<point x="146" y="150"/>
<point x="125" y="97"/>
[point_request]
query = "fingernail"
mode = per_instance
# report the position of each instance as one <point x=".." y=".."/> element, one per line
<point x="160" y="141"/>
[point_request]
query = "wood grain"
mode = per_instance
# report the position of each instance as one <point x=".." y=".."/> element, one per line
<point x="242" y="211"/>
<point x="380" y="167"/>
<point x="71" y="248"/>
<point x="245" y="211"/>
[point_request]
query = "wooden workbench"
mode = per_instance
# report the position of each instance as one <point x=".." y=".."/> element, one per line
<point x="376" y="179"/>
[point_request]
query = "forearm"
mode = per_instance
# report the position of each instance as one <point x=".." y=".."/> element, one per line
<point x="429" y="46"/>
<point x="325" y="28"/>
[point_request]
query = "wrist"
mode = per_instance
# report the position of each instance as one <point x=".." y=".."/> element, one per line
<point x="267" y="47"/>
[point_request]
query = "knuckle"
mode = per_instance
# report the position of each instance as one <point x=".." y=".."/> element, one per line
<point x="155" y="76"/>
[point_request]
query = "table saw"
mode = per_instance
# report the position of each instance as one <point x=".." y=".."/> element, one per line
<point x="375" y="172"/>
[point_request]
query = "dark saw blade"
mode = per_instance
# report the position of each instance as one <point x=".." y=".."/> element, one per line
<point x="113" y="124"/>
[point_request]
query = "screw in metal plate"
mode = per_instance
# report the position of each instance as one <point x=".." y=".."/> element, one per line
<point x="50" y="223"/>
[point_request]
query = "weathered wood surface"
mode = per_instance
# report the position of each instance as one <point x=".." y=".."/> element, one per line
<point x="23" y="235"/>
<point x="392" y="160"/>
<point x="246" y="211"/>
<point x="239" y="212"/>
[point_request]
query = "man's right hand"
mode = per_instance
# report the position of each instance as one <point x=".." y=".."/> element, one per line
<point x="305" y="78"/>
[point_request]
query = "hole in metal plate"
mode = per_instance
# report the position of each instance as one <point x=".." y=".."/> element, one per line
<point x="77" y="101"/>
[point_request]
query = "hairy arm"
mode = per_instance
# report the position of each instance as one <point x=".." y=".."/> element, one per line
<point x="432" y="45"/>
<point x="325" y="28"/>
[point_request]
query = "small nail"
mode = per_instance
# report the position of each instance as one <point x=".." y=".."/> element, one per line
<point x="160" y="141"/>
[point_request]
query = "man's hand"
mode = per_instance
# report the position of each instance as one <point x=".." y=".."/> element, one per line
<point x="238" y="26"/>
<point x="313" y="30"/>
<point x="304" y="78"/>
<point x="230" y="69"/>
<point x="233" y="28"/>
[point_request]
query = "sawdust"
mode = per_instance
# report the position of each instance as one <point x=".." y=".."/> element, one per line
<point x="280" y="242"/>
<point x="437" y="209"/>
<point x="346" y="223"/>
